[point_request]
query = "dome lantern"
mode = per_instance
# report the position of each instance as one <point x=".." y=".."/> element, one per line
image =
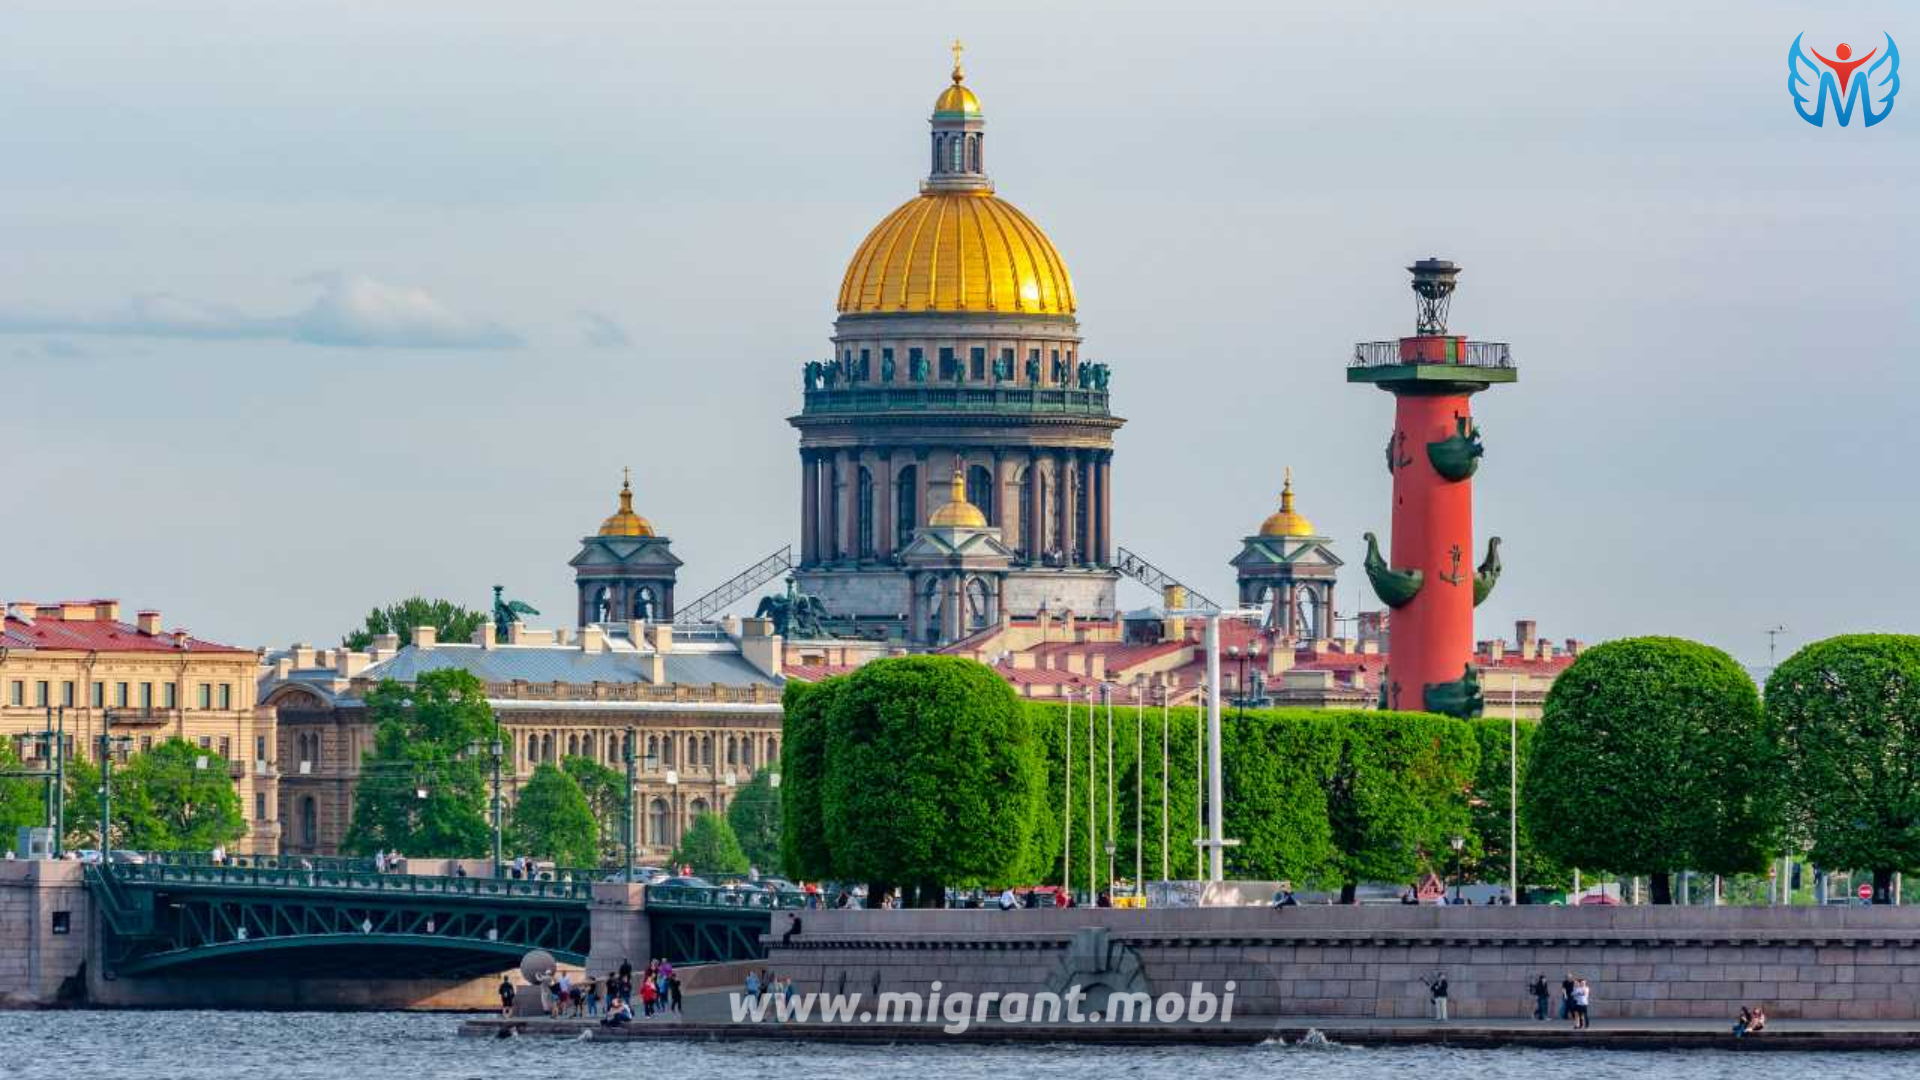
<point x="624" y="521"/>
<point x="959" y="138"/>
<point x="1285" y="521"/>
<point x="958" y="513"/>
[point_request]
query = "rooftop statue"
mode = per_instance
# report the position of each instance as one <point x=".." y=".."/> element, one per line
<point x="795" y="615"/>
<point x="508" y="611"/>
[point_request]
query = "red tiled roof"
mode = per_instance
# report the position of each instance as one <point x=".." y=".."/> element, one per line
<point x="815" y="672"/>
<point x="98" y="635"/>
<point x="1041" y="676"/>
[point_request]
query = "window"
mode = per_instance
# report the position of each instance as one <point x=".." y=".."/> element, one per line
<point x="66" y="693"/>
<point x="980" y="489"/>
<point x="666" y="751"/>
<point x="259" y="748"/>
<point x="886" y="362"/>
<point x="226" y="695"/>
<point x="146" y="697"/>
<point x="226" y="747"/>
<point x="915" y="358"/>
<point x="1033" y="361"/>
<point x="309" y="821"/>
<point x="866" y="513"/>
<point x="866" y="364"/>
<point x="17" y="692"/>
<point x="119" y="695"/>
<point x="40" y="693"/>
<point x="949" y="367"/>
<point x="97" y="695"/>
<point x="978" y="357"/>
<point x="657" y="819"/>
<point x="259" y="806"/>
<point x="206" y="695"/>
<point x="905" y="519"/>
<point x="206" y="742"/>
<point x="169" y="695"/>
<point x="146" y="743"/>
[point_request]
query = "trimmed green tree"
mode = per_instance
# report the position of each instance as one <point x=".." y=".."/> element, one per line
<point x="1396" y="795"/>
<point x="1654" y="756"/>
<point x="450" y="621"/>
<point x="1492" y="809"/>
<point x="1277" y="767"/>
<point x="176" y="797"/>
<point x="606" y="790"/>
<point x="710" y="847"/>
<point x="754" y="815"/>
<point x="553" y="820"/>
<point x="932" y="777"/>
<point x="803" y="767"/>
<point x="424" y="786"/>
<point x="1848" y="712"/>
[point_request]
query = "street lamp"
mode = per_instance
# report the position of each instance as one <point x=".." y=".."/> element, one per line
<point x="1216" y="841"/>
<point x="626" y="752"/>
<point x="1458" y="844"/>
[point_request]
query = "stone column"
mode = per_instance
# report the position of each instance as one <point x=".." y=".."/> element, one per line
<point x="952" y="609"/>
<point x="1002" y="466"/>
<point x="1083" y="532"/>
<point x="1103" y="551"/>
<point x="1063" y="499"/>
<point x="809" y="509"/>
<point x="1036" y="509"/>
<point x="823" y="507"/>
<point x="850" y="505"/>
<point x="920" y="489"/>
<point x="914" y="615"/>
<point x="883" y="507"/>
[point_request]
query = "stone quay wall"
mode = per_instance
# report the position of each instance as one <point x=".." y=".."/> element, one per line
<point x="1832" y="963"/>
<point x="46" y="921"/>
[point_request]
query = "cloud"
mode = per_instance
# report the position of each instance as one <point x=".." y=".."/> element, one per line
<point x="602" y="332"/>
<point x="351" y="310"/>
<point x="52" y="349"/>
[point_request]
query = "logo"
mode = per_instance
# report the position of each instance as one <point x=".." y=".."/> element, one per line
<point x="1841" y="79"/>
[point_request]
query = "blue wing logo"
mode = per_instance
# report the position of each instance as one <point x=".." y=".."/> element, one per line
<point x="1814" y="80"/>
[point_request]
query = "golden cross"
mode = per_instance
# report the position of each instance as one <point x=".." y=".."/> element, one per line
<point x="626" y="476"/>
<point x="957" y="50"/>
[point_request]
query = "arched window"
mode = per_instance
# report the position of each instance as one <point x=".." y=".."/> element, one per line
<point x="666" y="751"/>
<point x="533" y="749"/>
<point x="697" y="807"/>
<point x="573" y="745"/>
<point x="973" y="153"/>
<point x="309" y="822"/>
<point x="930" y="595"/>
<point x="980" y="489"/>
<point x="706" y="751"/>
<point x="602" y="610"/>
<point x="659" y="821"/>
<point x="746" y="753"/>
<point x="644" y="602"/>
<point x="733" y="751"/>
<point x="866" y="513"/>
<point x="979" y="603"/>
<point x="904" y="519"/>
<point x="956" y="158"/>
<point x="653" y="747"/>
<point x="773" y="750"/>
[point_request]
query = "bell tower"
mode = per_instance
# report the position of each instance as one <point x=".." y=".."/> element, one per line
<point x="626" y="570"/>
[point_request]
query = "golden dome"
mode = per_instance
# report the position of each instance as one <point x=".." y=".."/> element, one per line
<point x="958" y="513"/>
<point x="1284" y="521"/>
<point x="625" y="522"/>
<point x="957" y="251"/>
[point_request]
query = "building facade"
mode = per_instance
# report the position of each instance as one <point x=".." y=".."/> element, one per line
<point x="956" y="355"/>
<point x="77" y="667"/>
<point x="700" y="710"/>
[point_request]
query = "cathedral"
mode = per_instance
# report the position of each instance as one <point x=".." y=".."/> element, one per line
<point x="956" y="451"/>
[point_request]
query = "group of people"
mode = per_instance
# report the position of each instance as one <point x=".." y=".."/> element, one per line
<point x="765" y="983"/>
<point x="1576" y="999"/>
<point x="609" y="997"/>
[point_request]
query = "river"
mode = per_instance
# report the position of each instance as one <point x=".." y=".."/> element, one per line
<point x="414" y="1046"/>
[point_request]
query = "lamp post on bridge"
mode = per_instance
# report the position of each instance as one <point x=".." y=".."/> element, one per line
<point x="1215" y="842"/>
<point x="108" y="742"/>
<point x="627" y="753"/>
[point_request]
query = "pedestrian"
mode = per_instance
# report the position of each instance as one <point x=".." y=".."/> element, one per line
<point x="562" y="995"/>
<point x="1566" y="997"/>
<point x="1007" y="900"/>
<point x="506" y="998"/>
<point x="1542" y="997"/>
<point x="593" y="995"/>
<point x="1582" y="1003"/>
<point x="648" y="995"/>
<point x="673" y="993"/>
<point x="1437" y="990"/>
<point x="753" y="986"/>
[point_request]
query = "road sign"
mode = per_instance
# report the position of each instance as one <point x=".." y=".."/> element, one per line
<point x="1865" y="891"/>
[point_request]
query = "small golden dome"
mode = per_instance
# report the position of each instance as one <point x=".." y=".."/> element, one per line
<point x="957" y="251"/>
<point x="957" y="98"/>
<point x="1284" y="521"/>
<point x="625" y="522"/>
<point x="958" y="513"/>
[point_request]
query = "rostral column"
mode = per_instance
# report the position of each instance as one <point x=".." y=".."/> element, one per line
<point x="1432" y="583"/>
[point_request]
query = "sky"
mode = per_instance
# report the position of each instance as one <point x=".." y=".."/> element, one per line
<point x="308" y="306"/>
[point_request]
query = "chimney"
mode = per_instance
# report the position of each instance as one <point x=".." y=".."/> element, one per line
<point x="148" y="621"/>
<point x="1575" y="646"/>
<point x="516" y="630"/>
<point x="347" y="663"/>
<point x="1496" y="651"/>
<point x="593" y="639"/>
<point x="663" y="638"/>
<point x="1174" y="627"/>
<point x="1076" y="664"/>
<point x="106" y="610"/>
<point x="1524" y="636"/>
<point x="301" y="655"/>
<point x="760" y="646"/>
<point x="423" y="637"/>
<point x="658" y="674"/>
<point x="1546" y="649"/>
<point x="282" y="667"/>
<point x="1097" y="666"/>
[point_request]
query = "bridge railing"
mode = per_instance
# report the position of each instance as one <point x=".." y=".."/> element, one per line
<point x="719" y="896"/>
<point x="229" y="875"/>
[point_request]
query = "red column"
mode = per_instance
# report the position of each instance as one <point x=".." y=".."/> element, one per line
<point x="1432" y="533"/>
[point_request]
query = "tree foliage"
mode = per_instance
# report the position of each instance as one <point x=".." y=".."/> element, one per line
<point x="803" y="767"/>
<point x="605" y="788"/>
<point x="1148" y="730"/>
<point x="176" y="797"/>
<point x="710" y="847"/>
<point x="1848" y="713"/>
<point x="931" y="775"/>
<point x="754" y="815"/>
<point x="1277" y="767"/>
<point x="22" y="799"/>
<point x="552" y="820"/>
<point x="1491" y="807"/>
<point x="1397" y="795"/>
<point x="1654" y="756"/>
<point x="450" y="621"/>
<point x="423" y="787"/>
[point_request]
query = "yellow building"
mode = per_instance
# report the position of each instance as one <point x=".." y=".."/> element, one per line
<point x="76" y="664"/>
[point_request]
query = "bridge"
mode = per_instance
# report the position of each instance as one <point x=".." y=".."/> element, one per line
<point x="320" y="918"/>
